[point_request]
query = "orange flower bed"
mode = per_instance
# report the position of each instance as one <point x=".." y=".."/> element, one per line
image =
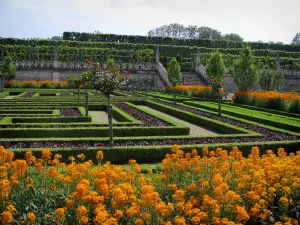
<point x="288" y="101"/>
<point x="214" y="187"/>
<point x="194" y="90"/>
<point x="36" y="84"/>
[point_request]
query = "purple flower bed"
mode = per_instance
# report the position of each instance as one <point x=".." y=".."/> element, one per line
<point x="28" y="95"/>
<point x="140" y="115"/>
<point x="70" y="112"/>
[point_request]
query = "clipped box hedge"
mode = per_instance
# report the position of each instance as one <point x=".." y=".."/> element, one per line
<point x="92" y="132"/>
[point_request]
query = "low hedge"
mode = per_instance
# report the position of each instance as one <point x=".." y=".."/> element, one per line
<point x="250" y="117"/>
<point x="153" y="154"/>
<point x="4" y="94"/>
<point x="10" y="111"/>
<point x="92" y="132"/>
<point x="122" y="116"/>
<point x="273" y="111"/>
<point x="204" y="122"/>
<point x="161" y="117"/>
<point x="52" y="120"/>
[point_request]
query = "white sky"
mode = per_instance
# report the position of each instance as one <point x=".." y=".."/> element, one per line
<point x="266" y="20"/>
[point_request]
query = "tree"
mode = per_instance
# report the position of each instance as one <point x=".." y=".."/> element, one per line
<point x="106" y="82"/>
<point x="296" y="39"/>
<point x="232" y="37"/>
<point x="147" y="81"/>
<point x="56" y="38"/>
<point x="174" y="74"/>
<point x="215" y="70"/>
<point x="7" y="70"/>
<point x="77" y="80"/>
<point x="86" y="78"/>
<point x="270" y="79"/>
<point x="244" y="71"/>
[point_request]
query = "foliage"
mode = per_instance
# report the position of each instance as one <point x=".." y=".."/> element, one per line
<point x="106" y="82"/>
<point x="174" y="72"/>
<point x="296" y="39"/>
<point x="215" y="70"/>
<point x="270" y="79"/>
<point x="176" y="30"/>
<point x="289" y="102"/>
<point x="207" y="187"/>
<point x="232" y="37"/>
<point x="7" y="70"/>
<point x="244" y="70"/>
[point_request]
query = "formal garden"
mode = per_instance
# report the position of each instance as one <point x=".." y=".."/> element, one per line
<point x="100" y="148"/>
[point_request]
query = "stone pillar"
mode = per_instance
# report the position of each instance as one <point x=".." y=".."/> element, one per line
<point x="198" y="63"/>
<point x="157" y="55"/>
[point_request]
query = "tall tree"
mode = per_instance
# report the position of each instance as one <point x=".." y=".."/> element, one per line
<point x="232" y="37"/>
<point x="7" y="70"/>
<point x="106" y="82"/>
<point x="86" y="78"/>
<point x="215" y="70"/>
<point x="174" y="74"/>
<point x="244" y="71"/>
<point x="296" y="39"/>
<point x="270" y="79"/>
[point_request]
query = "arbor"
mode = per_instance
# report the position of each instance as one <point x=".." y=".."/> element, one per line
<point x="215" y="70"/>
<point x="174" y="74"/>
<point x="7" y="70"/>
<point x="106" y="82"/>
<point x="296" y="39"/>
<point x="270" y="79"/>
<point x="244" y="71"/>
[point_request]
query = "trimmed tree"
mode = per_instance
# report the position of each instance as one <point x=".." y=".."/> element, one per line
<point x="244" y="71"/>
<point x="270" y="79"/>
<point x="148" y="81"/>
<point x="7" y="70"/>
<point x="174" y="75"/>
<point x="215" y="70"/>
<point x="86" y="78"/>
<point x="106" y="82"/>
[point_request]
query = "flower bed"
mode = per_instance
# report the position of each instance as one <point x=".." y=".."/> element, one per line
<point x="140" y="115"/>
<point x="192" y="90"/>
<point x="70" y="112"/>
<point x="28" y="95"/>
<point x="289" y="102"/>
<point x="214" y="187"/>
<point x="36" y="84"/>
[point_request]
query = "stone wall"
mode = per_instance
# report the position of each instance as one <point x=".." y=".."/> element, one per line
<point x="62" y="75"/>
<point x="290" y="84"/>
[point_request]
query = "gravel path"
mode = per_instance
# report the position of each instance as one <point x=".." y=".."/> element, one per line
<point x="99" y="117"/>
<point x="9" y="97"/>
<point x="194" y="129"/>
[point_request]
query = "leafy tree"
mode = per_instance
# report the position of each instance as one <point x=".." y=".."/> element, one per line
<point x="7" y="70"/>
<point x="215" y="70"/>
<point x="244" y="71"/>
<point x="296" y="39"/>
<point x="174" y="74"/>
<point x="147" y="81"/>
<point x="56" y="38"/>
<point x="270" y="79"/>
<point x="77" y="80"/>
<point x="86" y="78"/>
<point x="106" y="82"/>
<point x="232" y="37"/>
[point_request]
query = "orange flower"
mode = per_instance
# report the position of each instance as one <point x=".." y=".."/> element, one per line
<point x="31" y="218"/>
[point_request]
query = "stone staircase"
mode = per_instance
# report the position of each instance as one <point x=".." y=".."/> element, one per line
<point x="191" y="78"/>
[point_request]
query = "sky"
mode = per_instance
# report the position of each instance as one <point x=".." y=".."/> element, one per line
<point x="254" y="20"/>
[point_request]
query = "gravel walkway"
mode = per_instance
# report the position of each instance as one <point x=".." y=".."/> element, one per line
<point x="9" y="97"/>
<point x="99" y="117"/>
<point x="194" y="129"/>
